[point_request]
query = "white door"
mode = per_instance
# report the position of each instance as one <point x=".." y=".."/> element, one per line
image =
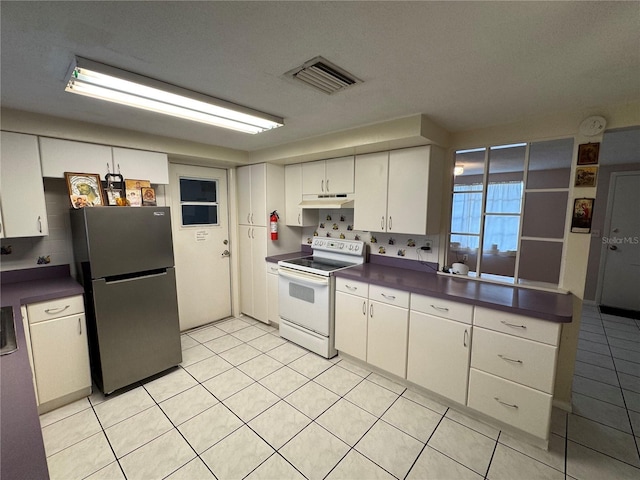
<point x="200" y="223"/>
<point x="621" y="274"/>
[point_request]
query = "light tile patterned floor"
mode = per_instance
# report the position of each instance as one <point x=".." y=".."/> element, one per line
<point x="246" y="403"/>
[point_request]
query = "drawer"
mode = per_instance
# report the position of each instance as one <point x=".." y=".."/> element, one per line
<point x="530" y="363"/>
<point x="522" y="407"/>
<point x="518" y="325"/>
<point x="59" y="307"/>
<point x="460" y="312"/>
<point x="354" y="287"/>
<point x="392" y="296"/>
<point x="272" y="268"/>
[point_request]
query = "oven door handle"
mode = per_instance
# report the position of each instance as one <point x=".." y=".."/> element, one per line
<point x="302" y="276"/>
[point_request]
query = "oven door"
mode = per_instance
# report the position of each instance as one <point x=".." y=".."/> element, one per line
<point x="305" y="299"/>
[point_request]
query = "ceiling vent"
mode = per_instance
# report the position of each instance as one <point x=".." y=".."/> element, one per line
<point x="323" y="75"/>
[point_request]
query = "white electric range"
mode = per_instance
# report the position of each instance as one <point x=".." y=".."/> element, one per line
<point x="306" y="291"/>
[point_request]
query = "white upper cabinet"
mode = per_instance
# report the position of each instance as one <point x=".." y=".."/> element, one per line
<point x="252" y="201"/>
<point x="294" y="215"/>
<point x="24" y="212"/>
<point x="141" y="165"/>
<point x="399" y="191"/>
<point x="59" y="156"/>
<point x="326" y="177"/>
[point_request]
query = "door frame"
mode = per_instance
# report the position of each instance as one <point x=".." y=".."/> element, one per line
<point x="607" y="227"/>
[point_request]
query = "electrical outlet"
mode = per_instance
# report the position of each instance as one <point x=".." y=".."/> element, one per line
<point x="427" y="244"/>
<point x="465" y="257"/>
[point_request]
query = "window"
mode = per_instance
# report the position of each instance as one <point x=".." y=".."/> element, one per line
<point x="509" y="209"/>
<point x="199" y="201"/>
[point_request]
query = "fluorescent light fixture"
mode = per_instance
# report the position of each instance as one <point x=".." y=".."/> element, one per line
<point x="458" y="170"/>
<point x="511" y="145"/>
<point x="104" y="82"/>
<point x="471" y="150"/>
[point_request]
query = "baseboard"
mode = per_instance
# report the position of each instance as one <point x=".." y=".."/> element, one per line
<point x="562" y="405"/>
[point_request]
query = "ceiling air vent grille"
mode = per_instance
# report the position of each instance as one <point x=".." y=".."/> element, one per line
<point x="324" y="76"/>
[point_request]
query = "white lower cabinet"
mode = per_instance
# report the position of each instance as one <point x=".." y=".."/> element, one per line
<point x="351" y="325"/>
<point x="253" y="279"/>
<point x="387" y="337"/>
<point x="438" y="356"/>
<point x="272" y="293"/>
<point x="56" y="335"/>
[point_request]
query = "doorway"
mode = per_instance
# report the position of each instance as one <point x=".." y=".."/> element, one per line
<point x="620" y="268"/>
<point x="200" y="223"/>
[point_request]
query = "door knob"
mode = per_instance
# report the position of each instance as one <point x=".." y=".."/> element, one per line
<point x="613" y="247"/>
<point x="226" y="253"/>
<point x="225" y="242"/>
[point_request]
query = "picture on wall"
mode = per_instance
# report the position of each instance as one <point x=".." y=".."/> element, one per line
<point x="588" y="153"/>
<point x="85" y="185"/>
<point x="582" y="215"/>
<point x="586" y="176"/>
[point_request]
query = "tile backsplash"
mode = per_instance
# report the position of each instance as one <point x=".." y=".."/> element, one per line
<point x="339" y="224"/>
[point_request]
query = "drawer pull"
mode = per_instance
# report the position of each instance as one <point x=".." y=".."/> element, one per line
<point x="79" y="326"/>
<point x="364" y="308"/>
<point x="465" y="338"/>
<point x="442" y="309"/>
<point x="388" y="297"/>
<point x="53" y="311"/>
<point x="513" y="325"/>
<point x="505" y="404"/>
<point x="350" y="287"/>
<point x="509" y="359"/>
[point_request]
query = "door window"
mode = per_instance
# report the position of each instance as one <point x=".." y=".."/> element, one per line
<point x="199" y="201"/>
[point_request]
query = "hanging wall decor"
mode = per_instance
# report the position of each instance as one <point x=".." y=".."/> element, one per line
<point x="588" y="153"/>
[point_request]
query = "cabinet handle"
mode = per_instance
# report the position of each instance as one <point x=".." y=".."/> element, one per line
<point x="351" y="288"/>
<point x="390" y="223"/>
<point x="388" y="297"/>
<point x="274" y="269"/>
<point x="253" y="233"/>
<point x="119" y="169"/>
<point x="53" y="311"/>
<point x="299" y="222"/>
<point x="39" y="224"/>
<point x="327" y="185"/>
<point x="510" y="405"/>
<point x="108" y="168"/>
<point x="442" y="309"/>
<point x="465" y="338"/>
<point x="251" y="218"/>
<point x="248" y="233"/>
<point x="248" y="218"/>
<point x="322" y="185"/>
<point x="371" y="310"/>
<point x="513" y="325"/>
<point x="507" y="359"/>
<point x="364" y="308"/>
<point x="79" y="326"/>
<point x="382" y="223"/>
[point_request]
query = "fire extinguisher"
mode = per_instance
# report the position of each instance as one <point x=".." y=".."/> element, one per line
<point x="273" y="223"/>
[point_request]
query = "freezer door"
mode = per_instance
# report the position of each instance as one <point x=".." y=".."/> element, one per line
<point x="121" y="240"/>
<point x="136" y="328"/>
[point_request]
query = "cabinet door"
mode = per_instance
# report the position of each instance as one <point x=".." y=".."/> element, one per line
<point x="370" y="209"/>
<point x="272" y="293"/>
<point x="351" y="325"/>
<point x="24" y="211"/>
<point x="60" y="357"/>
<point x="313" y="178"/>
<point x="141" y="165"/>
<point x="59" y="156"/>
<point x="438" y="356"/>
<point x="259" y="214"/>
<point x="387" y="337"/>
<point x="339" y="175"/>
<point x="246" y="268"/>
<point x="407" y="194"/>
<point x="244" y="195"/>
<point x="259" y="278"/>
<point x="294" y="215"/>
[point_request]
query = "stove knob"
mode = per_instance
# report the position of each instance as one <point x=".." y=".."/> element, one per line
<point x="341" y="246"/>
<point x="351" y="247"/>
<point x="357" y="247"/>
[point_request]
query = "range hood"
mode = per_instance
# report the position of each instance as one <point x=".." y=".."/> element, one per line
<point x="327" y="201"/>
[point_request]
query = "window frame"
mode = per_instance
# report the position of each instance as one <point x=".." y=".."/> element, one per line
<point x="215" y="204"/>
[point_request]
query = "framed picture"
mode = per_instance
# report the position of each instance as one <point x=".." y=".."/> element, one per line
<point x="588" y="153"/>
<point x="148" y="197"/>
<point x="133" y="190"/>
<point x="87" y="184"/>
<point x="78" y="201"/>
<point x="582" y="215"/>
<point x="586" y="176"/>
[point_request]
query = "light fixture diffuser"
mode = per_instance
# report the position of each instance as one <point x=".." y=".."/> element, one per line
<point x="104" y="82"/>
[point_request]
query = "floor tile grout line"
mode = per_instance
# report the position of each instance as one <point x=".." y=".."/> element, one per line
<point x="108" y="442"/>
<point x="426" y="444"/>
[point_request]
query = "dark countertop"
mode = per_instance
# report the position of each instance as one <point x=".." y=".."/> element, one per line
<point x="305" y="252"/>
<point x="555" y="307"/>
<point x="21" y="446"/>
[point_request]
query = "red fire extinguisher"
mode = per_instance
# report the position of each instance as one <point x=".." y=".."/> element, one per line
<point x="273" y="223"/>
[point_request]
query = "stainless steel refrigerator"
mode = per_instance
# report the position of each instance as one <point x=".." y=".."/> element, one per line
<point x="124" y="258"/>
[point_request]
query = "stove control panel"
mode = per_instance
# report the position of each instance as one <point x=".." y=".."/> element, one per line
<point x="347" y="247"/>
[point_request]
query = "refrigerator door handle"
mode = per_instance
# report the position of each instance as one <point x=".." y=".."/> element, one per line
<point x="133" y="278"/>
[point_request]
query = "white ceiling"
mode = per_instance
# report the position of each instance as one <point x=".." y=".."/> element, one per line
<point x="463" y="64"/>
